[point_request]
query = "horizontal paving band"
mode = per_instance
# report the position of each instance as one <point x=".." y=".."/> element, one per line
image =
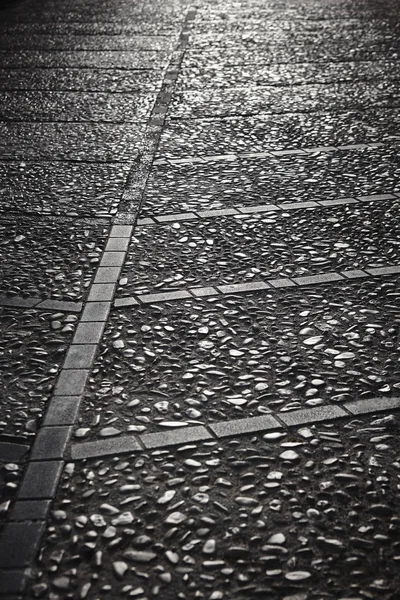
<point x="222" y="429"/>
<point x="259" y="208"/>
<point x="256" y="286"/>
<point x="58" y="305"/>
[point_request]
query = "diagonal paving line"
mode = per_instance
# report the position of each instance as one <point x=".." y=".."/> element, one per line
<point x="46" y="461"/>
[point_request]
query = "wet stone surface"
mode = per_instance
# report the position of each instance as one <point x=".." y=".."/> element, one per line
<point x="221" y="184"/>
<point x="197" y="137"/>
<point x="49" y="260"/>
<point x="11" y="42"/>
<point x="201" y="361"/>
<point x="306" y="515"/>
<point x="144" y="59"/>
<point x="33" y="345"/>
<point x="10" y="478"/>
<point x="67" y="189"/>
<point x="241" y="248"/>
<point x="307" y="98"/>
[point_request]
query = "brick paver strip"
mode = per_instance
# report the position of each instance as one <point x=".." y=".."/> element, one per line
<point x="80" y="356"/>
<point x="337" y="202"/>
<point x="312" y="415"/>
<point x="372" y="405"/>
<point x="18" y="302"/>
<point x="51" y="442"/>
<point x="312" y="279"/>
<point x="95" y="311"/>
<point x="40" y="481"/>
<point x="127" y="301"/>
<point x="10" y="452"/>
<point x="203" y="291"/>
<point x="174" y="437"/>
<point x="117" y="244"/>
<point x="13" y="582"/>
<point x="60" y="305"/>
<point x="116" y="445"/>
<point x="175" y="217"/>
<point x="71" y="382"/>
<point x="218" y="212"/>
<point x="121" y="231"/>
<point x="374" y="197"/>
<point x="88" y="332"/>
<point x="258" y="208"/>
<point x="295" y="205"/>
<point x="384" y="270"/>
<point x="107" y="274"/>
<point x="281" y="283"/>
<point x="234" y="288"/>
<point x="20" y="542"/>
<point x="354" y="274"/>
<point x="63" y="410"/>
<point x="112" y="259"/>
<point x="30" y="510"/>
<point x="250" y="425"/>
<point x="101" y="292"/>
<point x="164" y="297"/>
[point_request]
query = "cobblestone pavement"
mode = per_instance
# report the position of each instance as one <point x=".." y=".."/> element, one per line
<point x="199" y="301"/>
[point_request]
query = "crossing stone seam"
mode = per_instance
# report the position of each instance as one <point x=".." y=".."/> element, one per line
<point x="221" y="429"/>
<point x="43" y="474"/>
<point x="261" y="208"/>
<point x="256" y="286"/>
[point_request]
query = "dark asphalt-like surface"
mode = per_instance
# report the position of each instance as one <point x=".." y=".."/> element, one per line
<point x="202" y="404"/>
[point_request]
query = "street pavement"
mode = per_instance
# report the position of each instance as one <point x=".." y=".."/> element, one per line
<point x="199" y="300"/>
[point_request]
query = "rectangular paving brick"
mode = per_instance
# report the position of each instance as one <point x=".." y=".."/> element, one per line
<point x="235" y="288"/>
<point x="13" y="582"/>
<point x="18" y="302"/>
<point x="175" y="217"/>
<point x="63" y="410"/>
<point x="96" y="311"/>
<point x="384" y="270"/>
<point x="354" y="274"/>
<point x="88" y="333"/>
<point x="286" y="152"/>
<point x="121" y="231"/>
<point x="321" y="149"/>
<point x="30" y="510"/>
<point x="298" y="205"/>
<point x="107" y="274"/>
<point x="129" y="301"/>
<point x="62" y="306"/>
<point x="221" y="212"/>
<point x="145" y="221"/>
<point x="19" y="543"/>
<point x="201" y="292"/>
<point x="10" y="452"/>
<point x="112" y="259"/>
<point x="281" y="283"/>
<point x="150" y="298"/>
<point x="337" y="202"/>
<point x="71" y="382"/>
<point x="101" y="291"/>
<point x="80" y="356"/>
<point x="51" y="442"/>
<point x="376" y="197"/>
<point x="175" y="437"/>
<point x="258" y="208"/>
<point x="40" y="480"/>
<point x="239" y="426"/>
<point x="117" y="445"/>
<point x="324" y="278"/>
<point x="312" y="415"/>
<point x="372" y="405"/>
<point x="117" y="244"/>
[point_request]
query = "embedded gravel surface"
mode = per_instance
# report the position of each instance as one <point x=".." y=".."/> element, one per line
<point x="61" y="41"/>
<point x="10" y="478"/>
<point x="48" y="260"/>
<point x="144" y="59"/>
<point x="246" y="181"/>
<point x="193" y="137"/>
<point x="61" y="188"/>
<point x="204" y="360"/>
<point x="228" y="250"/>
<point x="32" y="347"/>
<point x="303" y="515"/>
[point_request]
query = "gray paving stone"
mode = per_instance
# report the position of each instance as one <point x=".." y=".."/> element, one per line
<point x="18" y="302"/>
<point x="60" y="305"/>
<point x="321" y="149"/>
<point x="88" y="333"/>
<point x="239" y="426"/>
<point x="203" y="291"/>
<point x="107" y="275"/>
<point x="63" y="410"/>
<point x="286" y="152"/>
<point x="13" y="581"/>
<point x="175" y="437"/>
<point x="218" y="157"/>
<point x="372" y="405"/>
<point x="337" y="201"/>
<point x="324" y="278"/>
<point x="281" y="283"/>
<point x="175" y="217"/>
<point x="354" y="274"/>
<point x="71" y="382"/>
<point x="258" y="208"/>
<point x="40" y="480"/>
<point x="19" y="543"/>
<point x="376" y="197"/>
<point x="80" y="356"/>
<point x="30" y="510"/>
<point x="117" y="244"/>
<point x="117" y="445"/>
<point x="129" y="301"/>
<point x="384" y="270"/>
<point x="101" y="291"/>
<point x="299" y="205"/>
<point x="51" y="442"/>
<point x="150" y="298"/>
<point x="112" y="259"/>
<point x="312" y="415"/>
<point x="10" y="452"/>
<point x="221" y="212"/>
<point x="353" y="147"/>
<point x="237" y="288"/>
<point x="145" y="221"/>
<point x="121" y="231"/>
<point x="95" y="311"/>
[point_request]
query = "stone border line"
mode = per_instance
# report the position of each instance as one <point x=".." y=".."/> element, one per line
<point x="39" y="303"/>
<point x="255" y="286"/>
<point x="21" y="536"/>
<point x="235" y="156"/>
<point x="261" y="208"/>
<point x="222" y="429"/>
